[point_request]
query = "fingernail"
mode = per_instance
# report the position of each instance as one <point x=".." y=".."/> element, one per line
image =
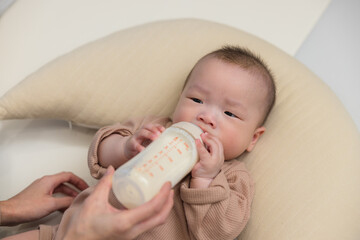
<point x="169" y="183"/>
<point x="108" y="170"/>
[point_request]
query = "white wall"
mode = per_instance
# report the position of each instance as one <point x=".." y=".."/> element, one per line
<point x="332" y="51"/>
<point x="34" y="32"/>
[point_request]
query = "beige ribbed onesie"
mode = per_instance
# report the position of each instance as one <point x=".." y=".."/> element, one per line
<point x="220" y="211"/>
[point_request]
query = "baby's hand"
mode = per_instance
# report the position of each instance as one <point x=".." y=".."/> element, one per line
<point x="141" y="138"/>
<point x="211" y="158"/>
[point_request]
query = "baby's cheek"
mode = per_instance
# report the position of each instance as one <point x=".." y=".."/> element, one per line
<point x="233" y="148"/>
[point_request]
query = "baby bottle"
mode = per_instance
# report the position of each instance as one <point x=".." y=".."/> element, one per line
<point x="169" y="158"/>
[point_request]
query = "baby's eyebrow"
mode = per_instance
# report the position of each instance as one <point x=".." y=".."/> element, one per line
<point x="199" y="87"/>
<point x="236" y="104"/>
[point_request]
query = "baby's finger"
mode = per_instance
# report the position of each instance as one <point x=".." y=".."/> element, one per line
<point x="159" y="128"/>
<point x="213" y="144"/>
<point x="156" y="129"/>
<point x="147" y="134"/>
<point x="202" y="151"/>
<point x="138" y="147"/>
<point x="138" y="138"/>
<point x="210" y="140"/>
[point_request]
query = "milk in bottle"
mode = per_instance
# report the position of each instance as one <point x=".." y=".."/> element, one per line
<point x="169" y="158"/>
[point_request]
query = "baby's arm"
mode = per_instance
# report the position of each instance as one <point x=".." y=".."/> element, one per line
<point x="211" y="158"/>
<point x="114" y="138"/>
<point x="115" y="150"/>
<point x="111" y="151"/>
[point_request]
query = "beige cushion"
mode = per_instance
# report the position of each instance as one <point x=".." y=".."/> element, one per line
<point x="306" y="166"/>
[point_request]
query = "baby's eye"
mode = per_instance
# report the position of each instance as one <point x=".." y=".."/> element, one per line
<point x="230" y="114"/>
<point x="196" y="100"/>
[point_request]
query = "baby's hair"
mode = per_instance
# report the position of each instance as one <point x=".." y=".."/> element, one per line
<point x="247" y="60"/>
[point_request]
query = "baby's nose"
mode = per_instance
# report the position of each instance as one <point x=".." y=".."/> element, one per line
<point x="208" y="119"/>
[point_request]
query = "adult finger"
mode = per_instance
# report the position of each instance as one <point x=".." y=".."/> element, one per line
<point x="102" y="189"/>
<point x="62" y="202"/>
<point x="67" y="190"/>
<point x="77" y="182"/>
<point x="59" y="178"/>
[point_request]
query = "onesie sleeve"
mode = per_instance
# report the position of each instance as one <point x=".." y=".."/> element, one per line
<point x="222" y="210"/>
<point x="124" y="129"/>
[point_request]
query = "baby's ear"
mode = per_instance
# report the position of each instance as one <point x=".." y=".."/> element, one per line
<point x="257" y="134"/>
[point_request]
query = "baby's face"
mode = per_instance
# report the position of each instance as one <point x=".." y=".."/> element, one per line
<point x="225" y="101"/>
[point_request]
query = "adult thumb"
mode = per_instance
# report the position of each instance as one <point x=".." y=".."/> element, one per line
<point x="103" y="187"/>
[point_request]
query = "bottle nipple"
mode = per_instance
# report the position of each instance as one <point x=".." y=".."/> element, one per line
<point x="194" y="130"/>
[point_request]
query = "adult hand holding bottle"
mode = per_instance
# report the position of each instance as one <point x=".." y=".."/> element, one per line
<point x="96" y="218"/>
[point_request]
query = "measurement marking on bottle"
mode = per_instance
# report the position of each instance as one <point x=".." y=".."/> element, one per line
<point x="175" y="146"/>
<point x="187" y="146"/>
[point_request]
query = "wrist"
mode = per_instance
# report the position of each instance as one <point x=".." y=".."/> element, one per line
<point x="124" y="153"/>
<point x="200" y="182"/>
<point x="7" y="213"/>
<point x="111" y="151"/>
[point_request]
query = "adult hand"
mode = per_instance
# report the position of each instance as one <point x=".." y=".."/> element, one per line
<point x="97" y="219"/>
<point x="37" y="200"/>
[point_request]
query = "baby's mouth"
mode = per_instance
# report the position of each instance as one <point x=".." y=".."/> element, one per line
<point x="203" y="129"/>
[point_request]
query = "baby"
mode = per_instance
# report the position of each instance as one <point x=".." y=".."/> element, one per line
<point x="228" y="94"/>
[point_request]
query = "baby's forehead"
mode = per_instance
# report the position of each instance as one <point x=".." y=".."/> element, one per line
<point x="249" y="80"/>
<point x="253" y="73"/>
